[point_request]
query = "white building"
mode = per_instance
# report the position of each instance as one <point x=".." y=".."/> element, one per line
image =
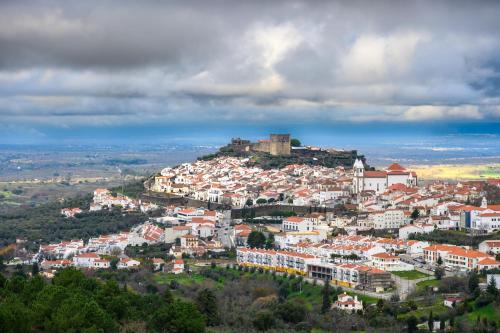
<point x="287" y="239"/>
<point x="281" y="261"/>
<point x="407" y="230"/>
<point x="380" y="181"/>
<point x="387" y="219"/>
<point x="486" y="221"/>
<point x="348" y="303"/>
<point x="127" y="263"/>
<point x="388" y="262"/>
<point x="85" y="260"/>
<point x="490" y="246"/>
<point x="294" y="223"/>
<point x="70" y="212"/>
<point x="456" y="257"/>
<point x="178" y="266"/>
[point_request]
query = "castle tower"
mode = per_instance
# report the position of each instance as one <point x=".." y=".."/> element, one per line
<point x="280" y="144"/>
<point x="359" y="170"/>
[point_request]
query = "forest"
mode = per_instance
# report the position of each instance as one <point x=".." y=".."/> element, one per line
<point x="75" y="303"/>
<point x="44" y="224"/>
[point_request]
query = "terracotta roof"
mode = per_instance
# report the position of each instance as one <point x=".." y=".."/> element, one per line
<point x="489" y="261"/>
<point x="295" y="219"/>
<point x="384" y="255"/>
<point x="490" y="214"/>
<point x="375" y="174"/>
<point x="395" y="167"/>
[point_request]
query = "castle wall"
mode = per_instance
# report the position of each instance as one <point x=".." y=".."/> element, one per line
<point x="263" y="146"/>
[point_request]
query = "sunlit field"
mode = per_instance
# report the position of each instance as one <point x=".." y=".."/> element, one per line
<point x="458" y="172"/>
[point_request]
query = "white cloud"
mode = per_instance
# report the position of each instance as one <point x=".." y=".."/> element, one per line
<point x="375" y="58"/>
<point x="431" y="112"/>
<point x="121" y="61"/>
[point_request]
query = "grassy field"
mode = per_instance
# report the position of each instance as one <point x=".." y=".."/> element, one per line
<point x="490" y="311"/>
<point x="183" y="279"/>
<point x="423" y="310"/>
<point x="457" y="172"/>
<point x="410" y="275"/>
<point x="427" y="283"/>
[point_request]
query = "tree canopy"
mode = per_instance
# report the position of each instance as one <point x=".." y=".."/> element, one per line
<point x="75" y="303"/>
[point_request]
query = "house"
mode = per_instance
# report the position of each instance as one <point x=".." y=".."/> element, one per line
<point x="487" y="264"/>
<point x="189" y="241"/>
<point x="85" y="260"/>
<point x="101" y="263"/>
<point x="202" y="227"/>
<point x="294" y="223"/>
<point x="387" y="219"/>
<point x="389" y="262"/>
<point x="158" y="263"/>
<point x="127" y="263"/>
<point x="348" y="303"/>
<point x="284" y="240"/>
<point x="407" y="230"/>
<point x="62" y="263"/>
<point x="70" y="212"/>
<point x="452" y="301"/>
<point x="490" y="246"/>
<point x="178" y="266"/>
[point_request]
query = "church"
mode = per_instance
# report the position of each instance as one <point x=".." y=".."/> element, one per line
<point x="379" y="181"/>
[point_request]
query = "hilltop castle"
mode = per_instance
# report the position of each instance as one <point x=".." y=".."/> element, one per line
<point x="277" y="145"/>
<point x="277" y="152"/>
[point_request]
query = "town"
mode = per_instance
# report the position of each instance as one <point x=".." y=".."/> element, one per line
<point x="370" y="233"/>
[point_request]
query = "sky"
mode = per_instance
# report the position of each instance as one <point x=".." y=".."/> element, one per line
<point x="202" y="71"/>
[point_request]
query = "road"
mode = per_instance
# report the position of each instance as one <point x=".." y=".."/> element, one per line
<point x="224" y="232"/>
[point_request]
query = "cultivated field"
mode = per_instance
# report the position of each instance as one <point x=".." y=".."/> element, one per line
<point x="458" y="172"/>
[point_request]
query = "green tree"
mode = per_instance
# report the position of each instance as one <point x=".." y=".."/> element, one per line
<point x="114" y="263"/>
<point x="415" y="214"/>
<point x="292" y="311"/>
<point x="15" y="317"/>
<point x="439" y="261"/>
<point x="178" y="317"/>
<point x="473" y="283"/>
<point x="492" y="287"/>
<point x="270" y="241"/>
<point x="327" y="302"/>
<point x="264" y="320"/>
<point x="430" y="321"/>
<point x="35" y="269"/>
<point x="79" y="313"/>
<point x="284" y="290"/>
<point x="442" y="324"/>
<point x="411" y="324"/>
<point x="261" y="201"/>
<point x="256" y="239"/>
<point x="207" y="304"/>
<point x="295" y="143"/>
<point x="167" y="296"/>
<point x="249" y="202"/>
<point x="438" y="272"/>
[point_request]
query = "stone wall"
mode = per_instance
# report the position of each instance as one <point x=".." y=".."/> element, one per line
<point x="280" y="144"/>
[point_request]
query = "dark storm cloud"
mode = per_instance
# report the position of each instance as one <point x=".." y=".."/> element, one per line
<point x="128" y="61"/>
